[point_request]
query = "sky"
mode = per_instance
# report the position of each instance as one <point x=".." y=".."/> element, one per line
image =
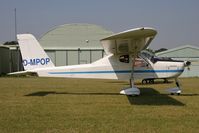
<point x="177" y="21"/>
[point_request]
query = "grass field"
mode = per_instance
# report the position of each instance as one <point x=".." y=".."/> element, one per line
<point x="51" y="105"/>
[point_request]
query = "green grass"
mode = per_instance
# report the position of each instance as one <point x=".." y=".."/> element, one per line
<point x="50" y="105"/>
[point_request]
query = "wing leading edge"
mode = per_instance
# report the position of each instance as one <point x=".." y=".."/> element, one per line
<point x="129" y="42"/>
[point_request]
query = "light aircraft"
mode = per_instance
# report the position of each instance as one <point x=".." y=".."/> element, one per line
<point x="125" y="60"/>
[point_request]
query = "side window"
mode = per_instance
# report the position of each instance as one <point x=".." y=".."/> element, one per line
<point x="124" y="58"/>
<point x="139" y="62"/>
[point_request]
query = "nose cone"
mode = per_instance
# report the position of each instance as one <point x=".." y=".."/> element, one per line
<point x="187" y="63"/>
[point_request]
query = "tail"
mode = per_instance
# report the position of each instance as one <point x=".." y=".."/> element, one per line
<point x="33" y="55"/>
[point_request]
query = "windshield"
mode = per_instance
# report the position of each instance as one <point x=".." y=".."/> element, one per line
<point x="153" y="58"/>
<point x="147" y="54"/>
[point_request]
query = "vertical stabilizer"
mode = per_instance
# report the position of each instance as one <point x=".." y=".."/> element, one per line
<point x="33" y="55"/>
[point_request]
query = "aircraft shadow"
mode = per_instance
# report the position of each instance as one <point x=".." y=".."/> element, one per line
<point x="139" y="83"/>
<point x="45" y="93"/>
<point x="189" y="94"/>
<point x="150" y="96"/>
<point x="155" y="82"/>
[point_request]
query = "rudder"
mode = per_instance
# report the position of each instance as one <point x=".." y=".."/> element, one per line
<point x="33" y="55"/>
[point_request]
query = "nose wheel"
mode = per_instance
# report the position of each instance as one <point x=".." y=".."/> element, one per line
<point x="177" y="90"/>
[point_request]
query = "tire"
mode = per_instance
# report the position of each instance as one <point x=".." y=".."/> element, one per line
<point x="144" y="81"/>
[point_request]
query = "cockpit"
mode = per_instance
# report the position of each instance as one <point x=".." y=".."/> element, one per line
<point x="153" y="58"/>
<point x="146" y="56"/>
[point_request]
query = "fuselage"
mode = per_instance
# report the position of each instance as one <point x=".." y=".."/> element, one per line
<point x="111" y="67"/>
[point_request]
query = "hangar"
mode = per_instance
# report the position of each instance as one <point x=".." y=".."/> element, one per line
<point x="72" y="44"/>
<point x="67" y="44"/>
<point x="10" y="59"/>
<point x="188" y="53"/>
<point x="4" y="59"/>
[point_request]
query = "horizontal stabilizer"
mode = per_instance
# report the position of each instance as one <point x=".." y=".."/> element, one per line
<point x="22" y="73"/>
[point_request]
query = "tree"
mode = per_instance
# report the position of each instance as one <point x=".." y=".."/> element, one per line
<point x="11" y="43"/>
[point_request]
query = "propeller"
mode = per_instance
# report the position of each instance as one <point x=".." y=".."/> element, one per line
<point x="191" y="62"/>
<point x="187" y="63"/>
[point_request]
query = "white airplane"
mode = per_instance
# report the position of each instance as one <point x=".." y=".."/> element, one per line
<point x="125" y="60"/>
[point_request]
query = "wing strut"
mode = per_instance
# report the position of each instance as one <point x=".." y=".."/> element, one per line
<point x="132" y="90"/>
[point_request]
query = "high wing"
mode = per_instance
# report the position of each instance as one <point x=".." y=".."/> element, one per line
<point x="128" y="42"/>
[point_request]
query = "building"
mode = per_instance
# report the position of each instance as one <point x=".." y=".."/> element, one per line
<point x="72" y="44"/>
<point x="67" y="44"/>
<point x="4" y="59"/>
<point x="188" y="53"/>
<point x="10" y="59"/>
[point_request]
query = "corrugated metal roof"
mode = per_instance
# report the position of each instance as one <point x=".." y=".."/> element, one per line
<point x="74" y="36"/>
<point x="3" y="46"/>
<point x="182" y="52"/>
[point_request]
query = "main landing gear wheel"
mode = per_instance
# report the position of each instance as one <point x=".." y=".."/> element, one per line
<point x="131" y="91"/>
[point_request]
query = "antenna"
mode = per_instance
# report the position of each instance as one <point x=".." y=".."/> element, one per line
<point x="18" y="64"/>
<point x="15" y="24"/>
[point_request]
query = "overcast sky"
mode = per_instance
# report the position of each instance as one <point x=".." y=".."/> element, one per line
<point x="177" y="21"/>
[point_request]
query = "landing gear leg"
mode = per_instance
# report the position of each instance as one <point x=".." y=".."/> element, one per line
<point x="133" y="91"/>
<point x="177" y="90"/>
<point x="178" y="86"/>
